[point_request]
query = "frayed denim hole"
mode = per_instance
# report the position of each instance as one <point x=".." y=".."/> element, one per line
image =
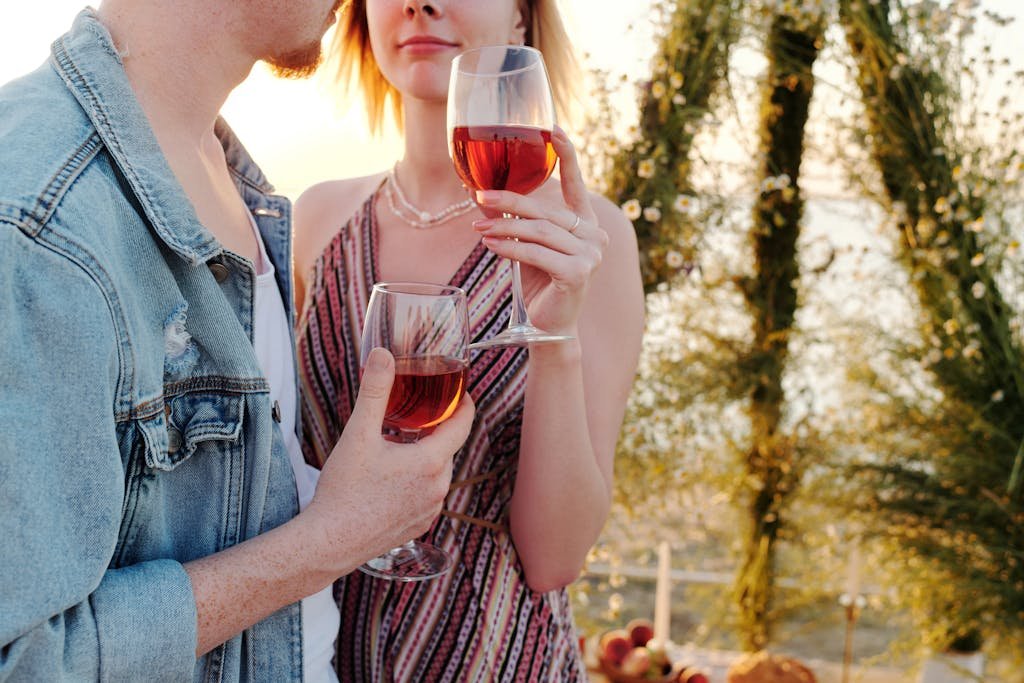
<point x="180" y="352"/>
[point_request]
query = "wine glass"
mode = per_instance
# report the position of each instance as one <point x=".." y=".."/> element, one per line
<point x="426" y="329"/>
<point x="500" y="117"/>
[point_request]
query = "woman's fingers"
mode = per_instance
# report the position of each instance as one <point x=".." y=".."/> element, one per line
<point x="571" y="271"/>
<point x="574" y="190"/>
<point x="531" y="230"/>
<point x="581" y="225"/>
<point x="561" y="238"/>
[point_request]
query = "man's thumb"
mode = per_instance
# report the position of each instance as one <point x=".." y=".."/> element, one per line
<point x="374" y="388"/>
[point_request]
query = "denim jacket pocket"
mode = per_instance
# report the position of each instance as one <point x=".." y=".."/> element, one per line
<point x="188" y="421"/>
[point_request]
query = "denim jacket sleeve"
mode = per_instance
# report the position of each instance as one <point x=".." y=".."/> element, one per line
<point x="64" y="613"/>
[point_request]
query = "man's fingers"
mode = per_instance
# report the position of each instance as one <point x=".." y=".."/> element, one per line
<point x="454" y="431"/>
<point x="374" y="389"/>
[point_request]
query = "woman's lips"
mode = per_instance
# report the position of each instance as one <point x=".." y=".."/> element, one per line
<point x="425" y="45"/>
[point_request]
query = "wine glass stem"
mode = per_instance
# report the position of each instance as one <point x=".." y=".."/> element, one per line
<point x="518" y="317"/>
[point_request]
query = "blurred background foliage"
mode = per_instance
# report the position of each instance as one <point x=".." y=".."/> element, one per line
<point x="822" y="408"/>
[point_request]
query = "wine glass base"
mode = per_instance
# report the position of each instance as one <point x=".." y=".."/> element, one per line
<point x="521" y="335"/>
<point x="414" y="561"/>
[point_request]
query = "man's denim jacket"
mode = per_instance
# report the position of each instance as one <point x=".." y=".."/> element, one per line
<point x="136" y="431"/>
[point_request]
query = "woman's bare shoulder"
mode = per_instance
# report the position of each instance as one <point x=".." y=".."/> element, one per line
<point x="333" y="201"/>
<point x="611" y="218"/>
<point x="323" y="209"/>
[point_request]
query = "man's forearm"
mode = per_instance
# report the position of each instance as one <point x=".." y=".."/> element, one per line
<point x="246" y="583"/>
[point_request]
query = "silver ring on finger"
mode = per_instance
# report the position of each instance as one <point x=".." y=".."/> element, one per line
<point x="575" y="224"/>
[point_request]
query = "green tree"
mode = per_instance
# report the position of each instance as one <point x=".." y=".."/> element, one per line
<point x="952" y="498"/>
<point x="773" y="466"/>
<point x="651" y="177"/>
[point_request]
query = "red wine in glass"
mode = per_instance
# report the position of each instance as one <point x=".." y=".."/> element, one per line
<point x="515" y="158"/>
<point x="500" y="118"/>
<point x="426" y="329"/>
<point x="426" y="392"/>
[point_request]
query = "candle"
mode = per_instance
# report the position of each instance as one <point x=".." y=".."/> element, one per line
<point x="853" y="572"/>
<point x="662" y="606"/>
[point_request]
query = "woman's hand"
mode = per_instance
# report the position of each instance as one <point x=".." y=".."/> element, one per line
<point x="560" y="244"/>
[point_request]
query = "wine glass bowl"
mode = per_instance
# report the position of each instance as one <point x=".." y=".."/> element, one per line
<point x="500" y="118"/>
<point x="426" y="329"/>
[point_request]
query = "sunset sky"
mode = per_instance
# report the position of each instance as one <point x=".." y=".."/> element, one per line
<point x="300" y="133"/>
<point x="297" y="130"/>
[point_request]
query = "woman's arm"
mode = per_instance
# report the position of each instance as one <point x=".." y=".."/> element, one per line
<point x="582" y="279"/>
<point x="575" y="400"/>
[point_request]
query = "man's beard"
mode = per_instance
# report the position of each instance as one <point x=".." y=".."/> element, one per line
<point x="298" y="63"/>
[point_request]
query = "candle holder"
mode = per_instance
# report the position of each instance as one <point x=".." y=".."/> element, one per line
<point x="853" y="604"/>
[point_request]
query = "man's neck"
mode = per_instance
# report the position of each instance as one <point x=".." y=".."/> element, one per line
<point x="181" y="64"/>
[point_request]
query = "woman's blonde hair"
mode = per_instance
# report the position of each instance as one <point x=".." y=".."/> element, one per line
<point x="357" y="68"/>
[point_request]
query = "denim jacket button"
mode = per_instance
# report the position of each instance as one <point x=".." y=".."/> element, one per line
<point x="173" y="440"/>
<point x="219" y="270"/>
<point x="275" y="412"/>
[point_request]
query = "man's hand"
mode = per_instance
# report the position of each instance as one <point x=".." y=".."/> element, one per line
<point x="375" y="494"/>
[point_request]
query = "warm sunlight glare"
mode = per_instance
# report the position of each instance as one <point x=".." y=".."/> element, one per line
<point x="296" y="130"/>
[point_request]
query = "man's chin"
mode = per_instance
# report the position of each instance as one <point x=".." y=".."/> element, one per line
<point x="298" y="64"/>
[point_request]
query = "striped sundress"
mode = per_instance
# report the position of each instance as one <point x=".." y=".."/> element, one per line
<point x="480" y="621"/>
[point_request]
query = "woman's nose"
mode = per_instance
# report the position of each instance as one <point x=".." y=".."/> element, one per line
<point x="414" y="7"/>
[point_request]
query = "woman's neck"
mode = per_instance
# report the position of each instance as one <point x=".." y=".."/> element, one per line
<point x="425" y="171"/>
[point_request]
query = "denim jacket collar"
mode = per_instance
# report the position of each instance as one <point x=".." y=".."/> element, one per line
<point x="88" y="62"/>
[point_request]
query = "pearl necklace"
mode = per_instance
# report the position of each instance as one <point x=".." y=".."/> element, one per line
<point x="415" y="216"/>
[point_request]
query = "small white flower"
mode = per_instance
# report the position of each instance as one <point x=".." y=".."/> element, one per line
<point x="713" y="273"/>
<point x="998" y="396"/>
<point x="645" y="169"/>
<point x="676" y="80"/>
<point x="769" y="184"/>
<point x="978" y="290"/>
<point x="678" y="99"/>
<point x="683" y="203"/>
<point x="632" y="209"/>
<point x="652" y="214"/>
<point x="674" y="259"/>
<point x="976" y="225"/>
<point x="926" y="227"/>
<point x="951" y="327"/>
<point x="942" y="205"/>
<point x="784" y="180"/>
<point x="658" y="90"/>
<point x="977" y="260"/>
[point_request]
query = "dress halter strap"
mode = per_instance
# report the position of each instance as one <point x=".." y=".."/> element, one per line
<point x="470" y="481"/>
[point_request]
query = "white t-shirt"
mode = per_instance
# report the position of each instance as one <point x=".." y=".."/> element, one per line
<point x="272" y="340"/>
